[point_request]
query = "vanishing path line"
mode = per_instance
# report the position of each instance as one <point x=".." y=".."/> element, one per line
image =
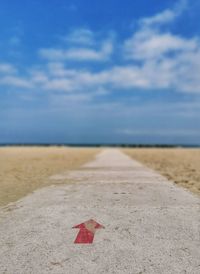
<point x="151" y="225"/>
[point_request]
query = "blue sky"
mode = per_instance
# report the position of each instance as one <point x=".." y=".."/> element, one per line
<point x="111" y="71"/>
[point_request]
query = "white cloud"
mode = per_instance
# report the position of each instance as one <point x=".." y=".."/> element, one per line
<point x="14" y="81"/>
<point x="84" y="54"/>
<point x="59" y="84"/>
<point x="38" y="77"/>
<point x="127" y="77"/>
<point x="152" y="58"/>
<point x="9" y="77"/>
<point x="150" y="41"/>
<point x="161" y="18"/>
<point x="167" y="61"/>
<point x="79" y="53"/>
<point x="164" y="17"/>
<point x="57" y="69"/>
<point x="75" y="80"/>
<point x="52" y="53"/>
<point x="159" y="132"/>
<point x="151" y="44"/>
<point x="81" y="36"/>
<point x="7" y="68"/>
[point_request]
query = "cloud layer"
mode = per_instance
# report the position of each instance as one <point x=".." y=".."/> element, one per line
<point x="151" y="58"/>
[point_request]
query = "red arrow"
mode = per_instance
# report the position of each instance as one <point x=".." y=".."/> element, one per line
<point x="87" y="231"/>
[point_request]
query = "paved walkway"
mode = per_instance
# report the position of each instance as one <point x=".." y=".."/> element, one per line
<point x="151" y="226"/>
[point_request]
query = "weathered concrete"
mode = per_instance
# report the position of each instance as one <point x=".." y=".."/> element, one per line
<point x="151" y="226"/>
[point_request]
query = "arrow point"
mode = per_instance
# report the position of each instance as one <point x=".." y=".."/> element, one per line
<point x="89" y="222"/>
<point x="97" y="225"/>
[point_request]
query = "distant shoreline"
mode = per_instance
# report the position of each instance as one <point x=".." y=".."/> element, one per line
<point x="100" y="145"/>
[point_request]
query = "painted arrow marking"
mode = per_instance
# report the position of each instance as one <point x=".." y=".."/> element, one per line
<point x="86" y="232"/>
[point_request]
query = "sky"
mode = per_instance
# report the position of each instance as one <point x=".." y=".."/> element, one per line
<point x="109" y="71"/>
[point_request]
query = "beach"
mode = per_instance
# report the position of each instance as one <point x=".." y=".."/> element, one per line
<point x="116" y="216"/>
<point x="180" y="165"/>
<point x="25" y="169"/>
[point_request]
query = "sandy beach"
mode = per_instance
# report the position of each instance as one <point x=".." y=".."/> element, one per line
<point x="24" y="169"/>
<point x="177" y="164"/>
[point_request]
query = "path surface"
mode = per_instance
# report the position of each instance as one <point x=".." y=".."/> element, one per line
<point x="151" y="226"/>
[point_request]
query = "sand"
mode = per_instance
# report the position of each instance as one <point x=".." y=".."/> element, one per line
<point x="177" y="164"/>
<point x="24" y="169"/>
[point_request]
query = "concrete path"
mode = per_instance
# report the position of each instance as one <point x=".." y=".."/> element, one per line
<point x="151" y="226"/>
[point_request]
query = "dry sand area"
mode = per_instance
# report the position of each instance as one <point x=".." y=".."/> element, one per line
<point x="177" y="164"/>
<point x="24" y="169"/>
